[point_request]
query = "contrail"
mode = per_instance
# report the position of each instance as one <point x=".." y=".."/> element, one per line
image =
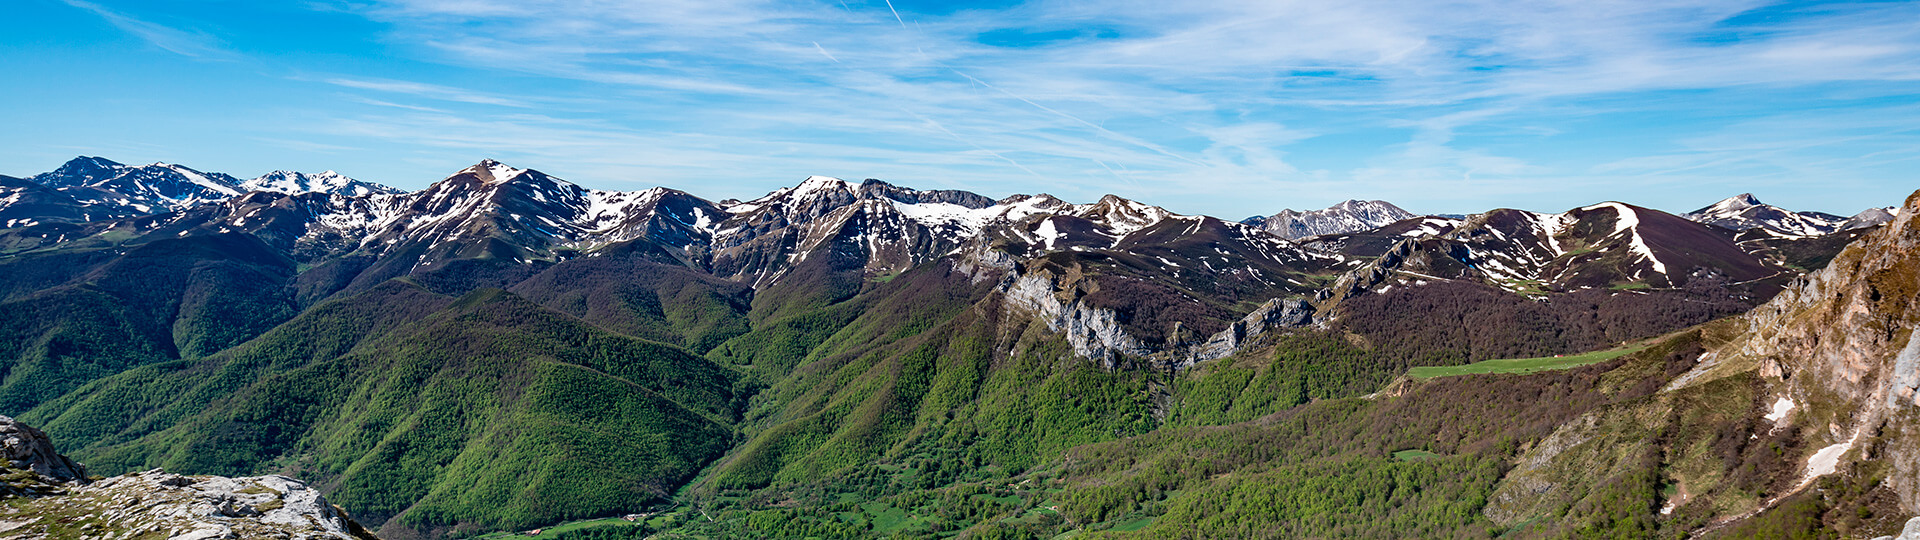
<point x="823" y="52"/>
<point x="1096" y="127"/>
<point x="896" y="14"/>
<point x="1116" y="175"/>
<point x="957" y="137"/>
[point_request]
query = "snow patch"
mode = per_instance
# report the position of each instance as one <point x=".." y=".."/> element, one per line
<point x="1780" y="410"/>
<point x="1629" y="221"/>
<point x="1826" y="460"/>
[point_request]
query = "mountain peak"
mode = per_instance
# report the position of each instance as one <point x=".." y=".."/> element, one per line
<point x="1348" y="216"/>
<point x="1744" y="211"/>
<point x="491" y="171"/>
<point x="817" y="183"/>
<point x="295" y="182"/>
<point x="80" y="171"/>
<point x="91" y="162"/>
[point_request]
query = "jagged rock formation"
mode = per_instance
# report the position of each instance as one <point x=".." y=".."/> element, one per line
<point x="185" y="508"/>
<point x="54" y="498"/>
<point x="28" y="449"/>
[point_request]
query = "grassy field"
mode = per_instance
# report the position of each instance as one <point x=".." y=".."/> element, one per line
<point x="565" y="527"/>
<point x="1524" y="365"/>
<point x="1414" y="455"/>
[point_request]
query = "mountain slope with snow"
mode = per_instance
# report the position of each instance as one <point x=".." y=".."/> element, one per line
<point x="1346" y="217"/>
<point x="292" y="182"/>
<point x="123" y="190"/>
<point x="1744" y="211"/>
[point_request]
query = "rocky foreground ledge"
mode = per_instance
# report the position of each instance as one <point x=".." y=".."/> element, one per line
<point x="45" y="495"/>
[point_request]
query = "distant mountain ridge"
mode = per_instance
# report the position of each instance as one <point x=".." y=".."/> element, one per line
<point x="1744" y="212"/>
<point x="322" y="182"/>
<point x="1350" y="216"/>
<point x="98" y="188"/>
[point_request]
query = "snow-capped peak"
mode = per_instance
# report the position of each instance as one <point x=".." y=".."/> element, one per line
<point x="493" y="172"/>
<point x="199" y="179"/>
<point x="1744" y="211"/>
<point x="1735" y="203"/>
<point x="323" y="182"/>
<point x="1870" y="217"/>
<point x="813" y="186"/>
<point x="1121" y="215"/>
<point x="820" y="183"/>
<point x="1349" y="216"/>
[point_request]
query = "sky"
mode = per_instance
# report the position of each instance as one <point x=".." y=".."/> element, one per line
<point x="1229" y="109"/>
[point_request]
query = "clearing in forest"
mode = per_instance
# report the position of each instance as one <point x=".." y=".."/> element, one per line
<point x="1525" y="365"/>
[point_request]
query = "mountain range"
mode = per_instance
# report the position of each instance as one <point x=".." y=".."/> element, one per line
<point x="503" y="350"/>
<point x="1745" y="212"/>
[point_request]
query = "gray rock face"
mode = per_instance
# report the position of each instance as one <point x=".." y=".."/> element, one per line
<point x="1841" y="340"/>
<point x="26" y="448"/>
<point x="1273" y="315"/>
<point x="1097" y="334"/>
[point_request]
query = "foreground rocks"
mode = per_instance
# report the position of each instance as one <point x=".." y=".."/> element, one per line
<point x="47" y="496"/>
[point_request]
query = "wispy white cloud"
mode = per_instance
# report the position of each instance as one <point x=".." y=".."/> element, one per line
<point x="1182" y="98"/>
<point x="190" y="43"/>
<point x="432" y="91"/>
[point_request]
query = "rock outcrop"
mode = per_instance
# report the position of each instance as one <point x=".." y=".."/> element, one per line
<point x="54" y="498"/>
<point x="27" y="449"/>
<point x="1842" y="341"/>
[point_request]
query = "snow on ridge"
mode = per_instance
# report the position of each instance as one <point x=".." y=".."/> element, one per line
<point x="1432" y="226"/>
<point x="936" y="214"/>
<point x="1121" y="215"/>
<point x="199" y="179"/>
<point x="1629" y="221"/>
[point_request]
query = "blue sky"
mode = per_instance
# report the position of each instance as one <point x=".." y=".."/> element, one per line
<point x="1228" y="109"/>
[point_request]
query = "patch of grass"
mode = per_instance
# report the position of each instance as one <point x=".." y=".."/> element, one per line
<point x="1415" y="455"/>
<point x="886" y="517"/>
<point x="1524" y="365"/>
<point x="1635" y="286"/>
<point x="1132" y="525"/>
<point x="570" y="526"/>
